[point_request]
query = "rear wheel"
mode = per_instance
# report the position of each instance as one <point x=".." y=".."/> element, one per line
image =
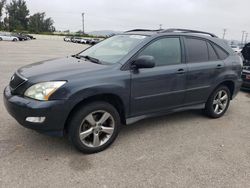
<point x="217" y="104"/>
<point x="1" y="39"/>
<point x="14" y="40"/>
<point x="94" y="127"/>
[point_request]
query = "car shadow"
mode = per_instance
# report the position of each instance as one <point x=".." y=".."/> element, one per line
<point x="174" y="119"/>
<point x="45" y="147"/>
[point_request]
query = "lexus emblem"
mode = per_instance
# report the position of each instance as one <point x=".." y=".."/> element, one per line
<point x="12" y="77"/>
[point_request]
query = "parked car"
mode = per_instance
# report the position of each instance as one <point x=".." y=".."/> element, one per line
<point x="21" y="37"/>
<point x="94" y="41"/>
<point x="246" y="67"/>
<point x="123" y="79"/>
<point x="8" y="37"/>
<point x="76" y="39"/>
<point x="246" y="78"/>
<point x="29" y="36"/>
<point x="67" y="39"/>
<point x="236" y="48"/>
<point x="83" y="41"/>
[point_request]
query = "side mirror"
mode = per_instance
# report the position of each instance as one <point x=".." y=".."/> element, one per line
<point x="144" y="61"/>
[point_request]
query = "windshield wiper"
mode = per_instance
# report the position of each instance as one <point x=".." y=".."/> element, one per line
<point x="94" y="60"/>
<point x="76" y="56"/>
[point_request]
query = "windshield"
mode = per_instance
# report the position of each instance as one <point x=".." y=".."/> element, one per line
<point x="113" y="49"/>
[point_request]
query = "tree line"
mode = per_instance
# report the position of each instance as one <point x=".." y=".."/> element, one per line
<point x="17" y="18"/>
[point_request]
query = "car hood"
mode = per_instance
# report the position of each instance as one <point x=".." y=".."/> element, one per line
<point x="59" y="69"/>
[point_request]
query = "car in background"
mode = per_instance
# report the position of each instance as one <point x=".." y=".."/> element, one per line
<point x="67" y="39"/>
<point x="246" y="67"/>
<point x="94" y="41"/>
<point x="76" y="39"/>
<point x="29" y="36"/>
<point x="246" y="78"/>
<point x="236" y="48"/>
<point x="8" y="37"/>
<point x="21" y="37"/>
<point x="83" y="41"/>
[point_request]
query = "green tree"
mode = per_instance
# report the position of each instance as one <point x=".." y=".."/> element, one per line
<point x="18" y="15"/>
<point x="38" y="23"/>
<point x="2" y="3"/>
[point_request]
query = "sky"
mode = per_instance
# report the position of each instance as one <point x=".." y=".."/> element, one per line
<point x="120" y="15"/>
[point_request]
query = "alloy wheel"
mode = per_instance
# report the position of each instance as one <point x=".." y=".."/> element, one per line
<point x="220" y="102"/>
<point x="96" y="128"/>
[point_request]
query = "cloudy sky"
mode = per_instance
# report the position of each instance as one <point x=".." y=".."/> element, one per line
<point x="119" y="15"/>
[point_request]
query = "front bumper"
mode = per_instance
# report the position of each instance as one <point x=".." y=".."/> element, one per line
<point x="246" y="85"/>
<point x="54" y="111"/>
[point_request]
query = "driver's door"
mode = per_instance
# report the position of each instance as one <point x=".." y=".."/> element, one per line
<point x="161" y="87"/>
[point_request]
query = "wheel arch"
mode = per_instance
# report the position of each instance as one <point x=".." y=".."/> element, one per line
<point x="230" y="84"/>
<point x="110" y="98"/>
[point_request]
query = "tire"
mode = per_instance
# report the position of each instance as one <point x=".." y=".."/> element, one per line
<point x="14" y="40"/>
<point x="1" y="39"/>
<point x="218" y="102"/>
<point x="82" y="124"/>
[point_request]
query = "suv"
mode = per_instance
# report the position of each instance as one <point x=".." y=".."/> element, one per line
<point x="246" y="68"/>
<point x="125" y="78"/>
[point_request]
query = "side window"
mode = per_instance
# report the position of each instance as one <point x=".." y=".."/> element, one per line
<point x="221" y="53"/>
<point x="212" y="54"/>
<point x="166" y="51"/>
<point x="196" y="50"/>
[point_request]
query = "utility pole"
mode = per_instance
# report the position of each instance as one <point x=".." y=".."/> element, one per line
<point x="224" y="33"/>
<point x="83" y="23"/>
<point x="246" y="38"/>
<point x="242" y="39"/>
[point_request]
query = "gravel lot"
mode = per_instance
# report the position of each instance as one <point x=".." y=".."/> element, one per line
<point x="180" y="150"/>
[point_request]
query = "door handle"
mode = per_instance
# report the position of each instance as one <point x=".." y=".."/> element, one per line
<point x="180" y="71"/>
<point x="219" y="66"/>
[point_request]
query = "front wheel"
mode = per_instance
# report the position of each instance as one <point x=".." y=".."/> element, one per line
<point x="218" y="102"/>
<point x="94" y="127"/>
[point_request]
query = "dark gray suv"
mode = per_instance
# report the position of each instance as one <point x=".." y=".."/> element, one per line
<point x="125" y="78"/>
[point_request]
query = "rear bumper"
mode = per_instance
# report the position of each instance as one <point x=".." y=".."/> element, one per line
<point x="55" y="113"/>
<point x="238" y="85"/>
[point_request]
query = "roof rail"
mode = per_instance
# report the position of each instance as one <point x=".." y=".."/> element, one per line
<point x="187" y="31"/>
<point x="144" y="30"/>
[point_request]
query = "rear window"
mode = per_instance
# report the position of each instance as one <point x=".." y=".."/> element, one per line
<point x="212" y="54"/>
<point x="221" y="53"/>
<point x="197" y="50"/>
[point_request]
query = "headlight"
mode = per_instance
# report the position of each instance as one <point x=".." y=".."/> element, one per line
<point x="42" y="91"/>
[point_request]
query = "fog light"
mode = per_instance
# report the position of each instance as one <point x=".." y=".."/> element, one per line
<point x="35" y="119"/>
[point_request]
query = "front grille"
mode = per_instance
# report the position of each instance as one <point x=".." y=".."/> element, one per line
<point x="16" y="81"/>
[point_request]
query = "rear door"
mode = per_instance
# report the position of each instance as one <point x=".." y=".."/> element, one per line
<point x="161" y="87"/>
<point x="204" y="66"/>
